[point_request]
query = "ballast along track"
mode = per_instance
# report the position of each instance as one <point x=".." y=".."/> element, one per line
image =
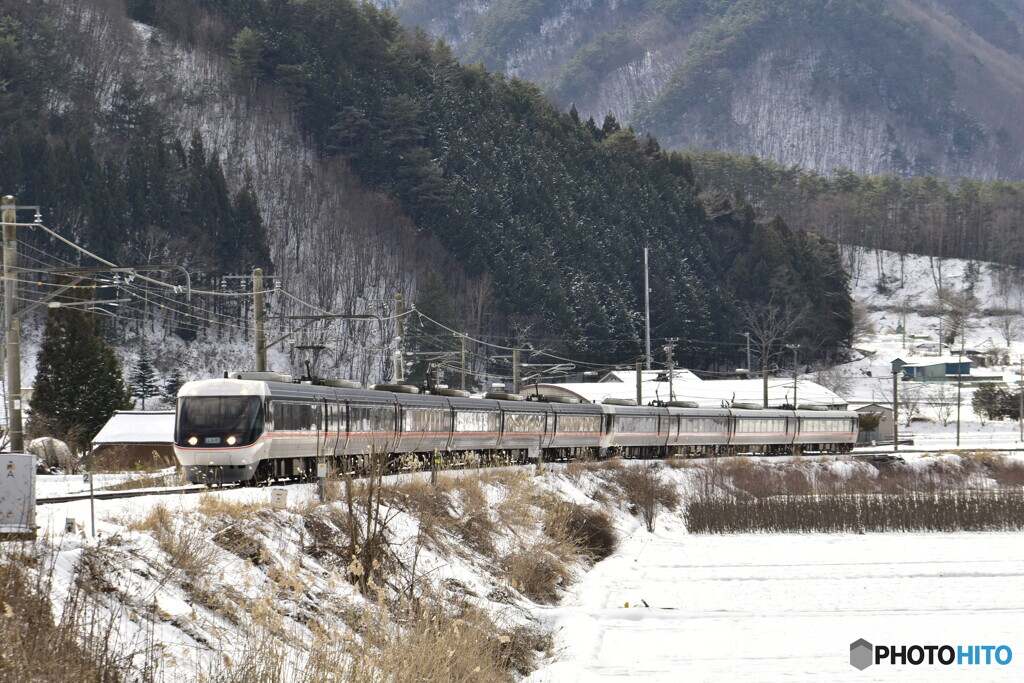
<point x="115" y="495"/>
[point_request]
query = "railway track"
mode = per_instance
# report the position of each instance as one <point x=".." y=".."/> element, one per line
<point x="115" y="495"/>
<point x="877" y="455"/>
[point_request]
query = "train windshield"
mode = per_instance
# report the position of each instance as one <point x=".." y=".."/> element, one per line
<point x="219" y="421"/>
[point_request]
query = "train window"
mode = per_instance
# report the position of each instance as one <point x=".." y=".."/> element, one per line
<point x="366" y="419"/>
<point x="476" y="421"/>
<point x="220" y="417"/>
<point x="635" y="424"/>
<point x="524" y="423"/>
<point x="574" y="424"/>
<point x="430" y="420"/>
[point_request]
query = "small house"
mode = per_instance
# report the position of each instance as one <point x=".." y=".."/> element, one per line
<point x="937" y="369"/>
<point x="884" y="431"/>
<point x="135" y="439"/>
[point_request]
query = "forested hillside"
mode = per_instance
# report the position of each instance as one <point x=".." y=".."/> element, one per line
<point x="967" y="218"/>
<point x="541" y="212"/>
<point x="879" y="86"/>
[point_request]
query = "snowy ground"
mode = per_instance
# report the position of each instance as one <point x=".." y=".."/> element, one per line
<point x="769" y="607"/>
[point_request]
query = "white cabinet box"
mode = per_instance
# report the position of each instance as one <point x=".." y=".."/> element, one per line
<point x="17" y="495"/>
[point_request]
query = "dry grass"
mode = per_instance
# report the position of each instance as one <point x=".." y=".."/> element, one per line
<point x="32" y="646"/>
<point x="539" y="571"/>
<point x="217" y="506"/>
<point x="908" y="511"/>
<point x="646" y="491"/>
<point x="590" y="531"/>
<point x="430" y="644"/>
<point x="967" y="491"/>
<point x="191" y="558"/>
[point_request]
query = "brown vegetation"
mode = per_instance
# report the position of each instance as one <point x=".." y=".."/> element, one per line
<point x="972" y="492"/>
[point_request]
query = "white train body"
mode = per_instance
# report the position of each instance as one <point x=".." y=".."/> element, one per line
<point x="239" y="430"/>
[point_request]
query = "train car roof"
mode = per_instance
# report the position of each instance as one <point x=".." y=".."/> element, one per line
<point x="698" y="412"/>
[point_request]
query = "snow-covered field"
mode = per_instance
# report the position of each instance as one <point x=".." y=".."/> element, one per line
<point x="753" y="607"/>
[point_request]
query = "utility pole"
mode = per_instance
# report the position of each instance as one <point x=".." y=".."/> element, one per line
<point x="1020" y="398"/>
<point x="896" y="410"/>
<point x="462" y="358"/>
<point x="261" y="317"/>
<point x="639" y="388"/>
<point x="515" y="371"/>
<point x="669" y="347"/>
<point x="400" y="338"/>
<point x="747" y="335"/>
<point x="647" y="310"/>
<point x="959" y="384"/>
<point x="764" y="376"/>
<point x="794" y="347"/>
<point x="13" y="331"/>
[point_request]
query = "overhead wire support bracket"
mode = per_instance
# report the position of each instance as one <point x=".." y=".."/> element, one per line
<point x="129" y="270"/>
<point x="314" y="318"/>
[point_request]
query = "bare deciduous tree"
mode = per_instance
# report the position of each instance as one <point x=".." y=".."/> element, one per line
<point x="769" y="326"/>
<point x="958" y="311"/>
<point x="1009" y="326"/>
<point x="910" y="398"/>
<point x="836" y="380"/>
<point x="942" y="399"/>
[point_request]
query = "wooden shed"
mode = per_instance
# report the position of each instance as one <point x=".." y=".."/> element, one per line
<point x="884" y="431"/>
<point x="135" y="439"/>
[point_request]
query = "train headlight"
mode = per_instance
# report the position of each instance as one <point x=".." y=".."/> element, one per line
<point x="231" y="440"/>
<point x="193" y="440"/>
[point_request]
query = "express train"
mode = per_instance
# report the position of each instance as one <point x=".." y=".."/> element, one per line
<point x="255" y="427"/>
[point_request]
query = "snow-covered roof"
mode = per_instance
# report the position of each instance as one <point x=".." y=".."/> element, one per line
<point x="710" y="393"/>
<point x="629" y="376"/>
<point x="928" y="361"/>
<point x="137" y="426"/>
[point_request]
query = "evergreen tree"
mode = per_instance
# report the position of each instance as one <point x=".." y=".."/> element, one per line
<point x="78" y="383"/>
<point x="143" y="381"/>
<point x="173" y="384"/>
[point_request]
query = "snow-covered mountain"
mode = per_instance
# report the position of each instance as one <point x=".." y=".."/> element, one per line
<point x="907" y="86"/>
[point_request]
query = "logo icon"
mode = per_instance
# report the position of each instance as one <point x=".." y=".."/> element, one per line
<point x="860" y="654"/>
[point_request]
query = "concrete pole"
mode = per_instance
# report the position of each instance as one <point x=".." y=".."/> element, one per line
<point x="959" y="384"/>
<point x="647" y="310"/>
<point x="515" y="371"/>
<point x="764" y="375"/>
<point x="261" y="313"/>
<point x="896" y="411"/>
<point x="462" y="360"/>
<point x="13" y="332"/>
<point x="399" y="339"/>
<point x="747" y="335"/>
<point x="639" y="388"/>
<point x="795" y="403"/>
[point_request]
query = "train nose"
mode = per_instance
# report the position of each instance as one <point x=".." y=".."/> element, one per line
<point x="245" y="456"/>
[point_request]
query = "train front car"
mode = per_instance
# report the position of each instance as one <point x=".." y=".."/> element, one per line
<point x="219" y="430"/>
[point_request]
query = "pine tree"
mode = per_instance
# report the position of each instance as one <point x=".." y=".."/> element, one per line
<point x="78" y="384"/>
<point x="173" y="383"/>
<point x="143" y="381"/>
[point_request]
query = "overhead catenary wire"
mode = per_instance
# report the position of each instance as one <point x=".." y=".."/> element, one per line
<point x="192" y="316"/>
